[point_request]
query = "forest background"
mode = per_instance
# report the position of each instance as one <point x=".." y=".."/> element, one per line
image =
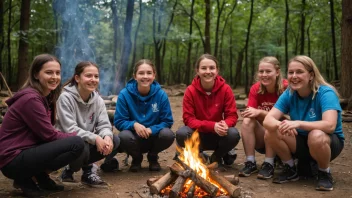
<point x="173" y="33"/>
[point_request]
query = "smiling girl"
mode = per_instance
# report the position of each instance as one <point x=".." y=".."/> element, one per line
<point x="81" y="109"/>
<point x="143" y="116"/>
<point x="209" y="105"/>
<point x="314" y="132"/>
<point x="262" y="97"/>
<point x="30" y="147"/>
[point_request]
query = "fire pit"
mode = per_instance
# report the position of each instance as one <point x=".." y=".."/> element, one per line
<point x="190" y="177"/>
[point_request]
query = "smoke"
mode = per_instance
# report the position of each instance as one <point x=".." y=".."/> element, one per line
<point x="77" y="20"/>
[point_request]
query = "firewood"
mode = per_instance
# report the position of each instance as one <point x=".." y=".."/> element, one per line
<point x="200" y="181"/>
<point x="164" y="181"/>
<point x="152" y="180"/>
<point x="177" y="187"/>
<point x="233" y="190"/>
<point x="191" y="190"/>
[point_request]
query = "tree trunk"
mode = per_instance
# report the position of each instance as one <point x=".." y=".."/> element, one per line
<point x="332" y="17"/>
<point x="9" y="62"/>
<point x="126" y="50"/>
<point x="346" y="51"/>
<point x="246" y="47"/>
<point x="136" y="35"/>
<point x="303" y="21"/>
<point x="287" y="18"/>
<point x="2" y="40"/>
<point x="207" y="48"/>
<point x="220" y="10"/>
<point x="231" y="56"/>
<point x="308" y="36"/>
<point x="23" y="65"/>
<point x="238" y="74"/>
<point x="115" y="26"/>
<point x="189" y="50"/>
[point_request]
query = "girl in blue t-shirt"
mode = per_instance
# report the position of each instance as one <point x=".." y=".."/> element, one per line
<point x="314" y="133"/>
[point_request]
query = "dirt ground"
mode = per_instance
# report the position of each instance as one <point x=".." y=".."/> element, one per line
<point x="126" y="184"/>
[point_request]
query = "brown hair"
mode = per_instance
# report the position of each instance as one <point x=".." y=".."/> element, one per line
<point x="78" y="70"/>
<point x="279" y="87"/>
<point x="141" y="62"/>
<point x="34" y="83"/>
<point x="310" y="66"/>
<point x="207" y="56"/>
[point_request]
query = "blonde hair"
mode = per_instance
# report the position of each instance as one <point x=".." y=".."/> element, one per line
<point x="279" y="87"/>
<point x="318" y="79"/>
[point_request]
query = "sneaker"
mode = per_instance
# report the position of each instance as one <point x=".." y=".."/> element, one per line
<point x="266" y="171"/>
<point x="278" y="164"/>
<point x="229" y="158"/>
<point x="46" y="183"/>
<point x="111" y="166"/>
<point x="29" y="188"/>
<point x="153" y="162"/>
<point x="325" y="181"/>
<point x="67" y="176"/>
<point x="288" y="174"/>
<point x="93" y="180"/>
<point x="135" y="167"/>
<point x="248" y="169"/>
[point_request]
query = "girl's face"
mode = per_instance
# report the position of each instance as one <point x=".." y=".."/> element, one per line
<point x="207" y="70"/>
<point x="49" y="76"/>
<point x="88" y="80"/>
<point x="299" y="77"/>
<point x="267" y="74"/>
<point x="145" y="75"/>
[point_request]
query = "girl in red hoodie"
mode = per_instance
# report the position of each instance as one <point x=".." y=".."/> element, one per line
<point x="30" y="146"/>
<point x="209" y="105"/>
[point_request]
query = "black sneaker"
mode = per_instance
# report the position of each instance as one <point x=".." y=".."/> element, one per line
<point x="229" y="158"/>
<point x="153" y="162"/>
<point x="266" y="171"/>
<point x="46" y="183"/>
<point x="248" y="169"/>
<point x="111" y="166"/>
<point x="325" y="181"/>
<point x="67" y="176"/>
<point x="29" y="188"/>
<point x="93" y="180"/>
<point x="288" y="174"/>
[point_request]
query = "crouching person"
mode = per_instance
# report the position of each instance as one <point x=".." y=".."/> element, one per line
<point x="209" y="106"/>
<point x="315" y="129"/>
<point x="143" y="116"/>
<point x="30" y="147"/>
<point x="81" y="109"/>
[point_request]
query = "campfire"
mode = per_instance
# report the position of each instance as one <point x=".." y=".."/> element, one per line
<point x="190" y="177"/>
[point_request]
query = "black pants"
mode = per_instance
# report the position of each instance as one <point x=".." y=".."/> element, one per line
<point x="90" y="155"/>
<point x="45" y="157"/>
<point x="211" y="141"/>
<point x="135" y="146"/>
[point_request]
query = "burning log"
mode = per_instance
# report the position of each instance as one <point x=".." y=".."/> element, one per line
<point x="152" y="180"/>
<point x="199" y="181"/>
<point x="233" y="190"/>
<point x="190" y="193"/>
<point x="177" y="187"/>
<point x="164" y="181"/>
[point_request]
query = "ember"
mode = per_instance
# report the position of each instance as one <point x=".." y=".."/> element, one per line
<point x="190" y="177"/>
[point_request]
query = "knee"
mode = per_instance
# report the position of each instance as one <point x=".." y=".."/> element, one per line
<point x="182" y="134"/>
<point x="270" y="137"/>
<point x="125" y="136"/>
<point x="234" y="135"/>
<point x="248" y="121"/>
<point x="116" y="141"/>
<point x="317" y="139"/>
<point x="167" y="134"/>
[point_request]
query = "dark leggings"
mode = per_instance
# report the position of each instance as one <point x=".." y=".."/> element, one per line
<point x="45" y="157"/>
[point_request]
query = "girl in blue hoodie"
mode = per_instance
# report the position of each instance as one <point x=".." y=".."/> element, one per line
<point x="144" y="118"/>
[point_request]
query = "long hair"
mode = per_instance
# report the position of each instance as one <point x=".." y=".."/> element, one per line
<point x="34" y="83"/>
<point x="279" y="87"/>
<point x="78" y="70"/>
<point x="310" y="66"/>
<point x="207" y="56"/>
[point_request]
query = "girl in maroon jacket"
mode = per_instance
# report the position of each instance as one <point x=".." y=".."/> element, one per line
<point x="29" y="144"/>
<point x="209" y="105"/>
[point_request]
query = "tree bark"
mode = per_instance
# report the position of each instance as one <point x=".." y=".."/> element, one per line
<point x="23" y="65"/>
<point x="115" y="26"/>
<point x="303" y="21"/>
<point x="333" y="39"/>
<point x="189" y="50"/>
<point x="2" y="40"/>
<point x="9" y="62"/>
<point x="126" y="50"/>
<point x="287" y="18"/>
<point x="346" y="51"/>
<point x="207" y="48"/>
<point x="246" y="47"/>
<point x="220" y="10"/>
<point x="136" y="34"/>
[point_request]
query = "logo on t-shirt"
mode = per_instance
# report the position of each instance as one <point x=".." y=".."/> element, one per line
<point x="311" y="113"/>
<point x="155" y="107"/>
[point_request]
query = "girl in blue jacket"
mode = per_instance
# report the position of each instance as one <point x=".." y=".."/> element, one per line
<point x="144" y="118"/>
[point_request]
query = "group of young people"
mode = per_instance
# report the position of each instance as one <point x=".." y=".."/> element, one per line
<point x="48" y="127"/>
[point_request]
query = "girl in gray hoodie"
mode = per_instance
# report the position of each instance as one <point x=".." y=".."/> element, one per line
<point x="81" y="109"/>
